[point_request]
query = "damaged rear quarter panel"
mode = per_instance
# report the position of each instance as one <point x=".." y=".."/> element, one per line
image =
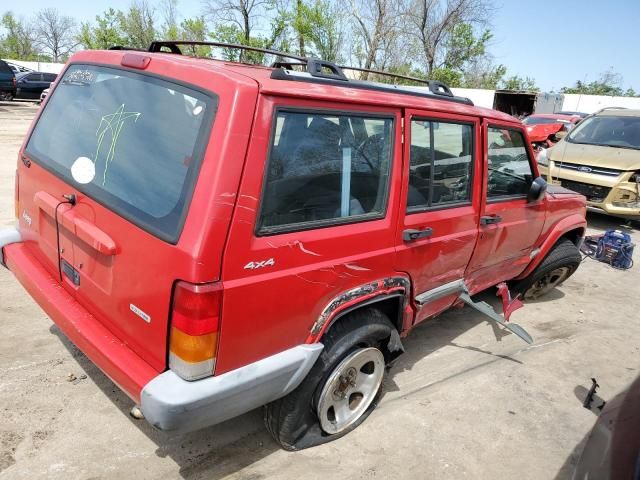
<point x="274" y="307"/>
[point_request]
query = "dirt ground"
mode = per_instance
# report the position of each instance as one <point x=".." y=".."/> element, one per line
<point x="461" y="403"/>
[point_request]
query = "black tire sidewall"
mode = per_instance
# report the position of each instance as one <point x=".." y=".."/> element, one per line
<point x="299" y="427"/>
<point x="564" y="254"/>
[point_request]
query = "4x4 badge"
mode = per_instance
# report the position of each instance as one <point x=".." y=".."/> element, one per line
<point x="262" y="263"/>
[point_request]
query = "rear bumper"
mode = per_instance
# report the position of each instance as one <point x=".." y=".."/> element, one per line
<point x="173" y="404"/>
<point x="168" y="402"/>
<point x="111" y="355"/>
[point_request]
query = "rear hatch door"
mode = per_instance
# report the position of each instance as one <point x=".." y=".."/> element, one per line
<point x="129" y="146"/>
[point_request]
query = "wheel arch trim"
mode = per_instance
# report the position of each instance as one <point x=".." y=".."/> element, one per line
<point x="355" y="298"/>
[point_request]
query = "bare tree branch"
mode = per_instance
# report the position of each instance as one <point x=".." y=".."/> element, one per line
<point x="55" y="33"/>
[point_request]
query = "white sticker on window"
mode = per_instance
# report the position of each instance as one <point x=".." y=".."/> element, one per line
<point x="83" y="170"/>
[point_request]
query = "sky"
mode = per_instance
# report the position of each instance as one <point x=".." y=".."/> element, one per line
<point x="554" y="42"/>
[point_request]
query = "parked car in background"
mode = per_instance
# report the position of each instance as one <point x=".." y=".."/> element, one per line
<point x="18" y="68"/>
<point x="43" y="95"/>
<point x="600" y="159"/>
<point x="545" y="130"/>
<point x="30" y="85"/>
<point x="162" y="200"/>
<point x="572" y="113"/>
<point x="7" y="82"/>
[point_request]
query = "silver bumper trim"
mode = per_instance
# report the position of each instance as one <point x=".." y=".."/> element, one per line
<point x="8" y="236"/>
<point x="173" y="404"/>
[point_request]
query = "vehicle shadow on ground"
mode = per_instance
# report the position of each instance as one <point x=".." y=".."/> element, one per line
<point x="221" y="450"/>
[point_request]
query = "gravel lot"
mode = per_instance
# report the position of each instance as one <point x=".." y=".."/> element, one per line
<point x="460" y="403"/>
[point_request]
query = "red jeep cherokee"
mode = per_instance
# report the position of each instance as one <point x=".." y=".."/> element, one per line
<point x="217" y="236"/>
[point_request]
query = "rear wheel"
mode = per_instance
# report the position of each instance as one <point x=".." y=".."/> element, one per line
<point x="563" y="260"/>
<point x="343" y="387"/>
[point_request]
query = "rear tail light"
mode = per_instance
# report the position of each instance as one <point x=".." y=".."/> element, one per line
<point x="195" y="322"/>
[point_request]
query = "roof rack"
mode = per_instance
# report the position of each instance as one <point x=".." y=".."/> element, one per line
<point x="319" y="71"/>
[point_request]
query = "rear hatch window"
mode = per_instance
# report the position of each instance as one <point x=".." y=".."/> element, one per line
<point x="133" y="142"/>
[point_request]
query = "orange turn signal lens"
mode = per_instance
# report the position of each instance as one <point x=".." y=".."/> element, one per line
<point x="193" y="349"/>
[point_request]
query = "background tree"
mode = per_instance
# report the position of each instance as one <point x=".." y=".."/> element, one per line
<point x="106" y="33"/>
<point x="609" y="83"/>
<point x="55" y="34"/>
<point x="195" y="30"/>
<point x="458" y="50"/>
<point x="238" y="16"/>
<point x="375" y="29"/>
<point x="481" y="72"/>
<point x="138" y="24"/>
<point x="444" y="29"/>
<point x="18" y="43"/>
<point x="316" y="27"/>
<point x="516" y="82"/>
<point x="170" y="29"/>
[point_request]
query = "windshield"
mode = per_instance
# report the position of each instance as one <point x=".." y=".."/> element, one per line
<point x="131" y="142"/>
<point x="542" y="120"/>
<point x="623" y="132"/>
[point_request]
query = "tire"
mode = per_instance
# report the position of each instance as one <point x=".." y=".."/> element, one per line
<point x="293" y="420"/>
<point x="561" y="262"/>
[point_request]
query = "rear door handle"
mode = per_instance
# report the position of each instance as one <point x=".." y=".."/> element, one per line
<point x="490" y="219"/>
<point x="412" y="234"/>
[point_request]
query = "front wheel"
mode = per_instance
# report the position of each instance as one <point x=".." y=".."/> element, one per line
<point x="342" y="388"/>
<point x="561" y="262"/>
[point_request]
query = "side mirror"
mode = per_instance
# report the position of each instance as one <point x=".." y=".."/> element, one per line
<point x="537" y="190"/>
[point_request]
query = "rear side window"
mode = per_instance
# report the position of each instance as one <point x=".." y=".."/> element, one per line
<point x="441" y="164"/>
<point x="132" y="142"/>
<point x="510" y="172"/>
<point x="326" y="169"/>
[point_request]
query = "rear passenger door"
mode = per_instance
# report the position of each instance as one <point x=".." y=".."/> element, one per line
<point x="510" y="225"/>
<point x="440" y="206"/>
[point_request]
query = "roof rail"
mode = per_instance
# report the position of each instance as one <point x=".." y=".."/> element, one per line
<point x="435" y="86"/>
<point x="172" y="45"/>
<point x="318" y="70"/>
<point x="121" y="47"/>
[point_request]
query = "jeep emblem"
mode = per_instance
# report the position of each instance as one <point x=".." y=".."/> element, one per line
<point x="26" y="217"/>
